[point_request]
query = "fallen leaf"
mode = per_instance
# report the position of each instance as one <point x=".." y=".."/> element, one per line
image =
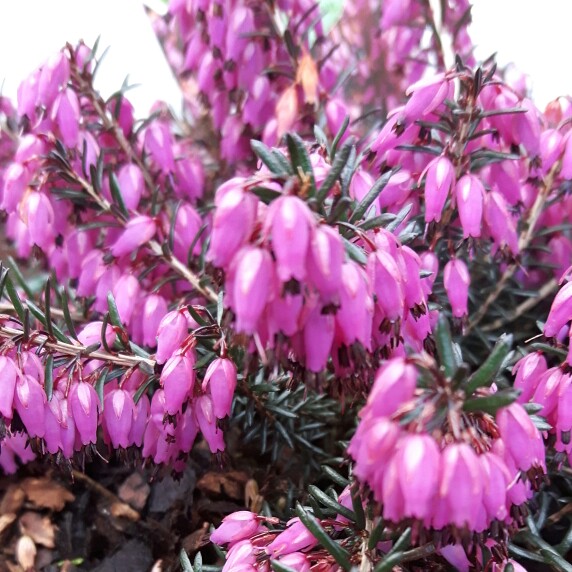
<point x="231" y="484"/>
<point x="25" y="552"/>
<point x="12" y="500"/>
<point x="307" y="77"/>
<point x="39" y="528"/>
<point x="45" y="493"/>
<point x="134" y="491"/>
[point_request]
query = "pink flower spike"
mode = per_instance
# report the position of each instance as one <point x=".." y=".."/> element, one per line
<point x="138" y="231"/>
<point x="220" y="378"/>
<point x="469" y="193"/>
<point x="457" y="280"/>
<point x="439" y="178"/>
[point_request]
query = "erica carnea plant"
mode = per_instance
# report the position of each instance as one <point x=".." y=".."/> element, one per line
<point x="348" y="260"/>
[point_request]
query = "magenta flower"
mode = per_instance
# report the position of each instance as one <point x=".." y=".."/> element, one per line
<point x="560" y="311"/>
<point x="295" y="538"/>
<point x="290" y="222"/>
<point x="118" y="416"/>
<point x="236" y="527"/>
<point x="220" y="379"/>
<point x="172" y="330"/>
<point x="84" y="404"/>
<point x="469" y="192"/>
<point x="29" y="400"/>
<point x="8" y="377"/>
<point x="138" y="231"/>
<point x="252" y="286"/>
<point x="457" y="280"/>
<point x="439" y="178"/>
<point x="178" y="379"/>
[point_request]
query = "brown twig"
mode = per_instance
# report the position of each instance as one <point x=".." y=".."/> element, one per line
<point x="40" y="339"/>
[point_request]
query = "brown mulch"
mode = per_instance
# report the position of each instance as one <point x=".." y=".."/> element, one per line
<point x="116" y="517"/>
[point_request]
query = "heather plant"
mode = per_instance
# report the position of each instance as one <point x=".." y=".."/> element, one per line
<point x="347" y="262"/>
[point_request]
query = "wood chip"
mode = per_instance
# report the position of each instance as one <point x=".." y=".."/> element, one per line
<point x="45" y="493"/>
<point x="26" y="552"/>
<point x="39" y="528"/>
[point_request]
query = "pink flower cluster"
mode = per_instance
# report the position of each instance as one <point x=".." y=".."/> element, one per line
<point x="289" y="280"/>
<point x="233" y="58"/>
<point x="252" y="546"/>
<point x="463" y="474"/>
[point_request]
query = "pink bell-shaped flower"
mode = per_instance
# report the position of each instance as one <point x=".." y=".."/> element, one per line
<point x="296" y="537"/>
<point x="469" y="192"/>
<point x="138" y="231"/>
<point x="118" y="416"/>
<point x="235" y="527"/>
<point x="439" y="178"/>
<point x="29" y="400"/>
<point x="560" y="311"/>
<point x="220" y="379"/>
<point x="252" y="286"/>
<point x="84" y="404"/>
<point x="289" y="224"/>
<point x="457" y="280"/>
<point x="178" y="379"/>
<point x="172" y="330"/>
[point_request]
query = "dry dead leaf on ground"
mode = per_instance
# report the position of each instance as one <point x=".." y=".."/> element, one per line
<point x="39" y="528"/>
<point x="12" y="500"/>
<point x="231" y="484"/>
<point x="26" y="552"/>
<point x="45" y="493"/>
<point x="5" y="521"/>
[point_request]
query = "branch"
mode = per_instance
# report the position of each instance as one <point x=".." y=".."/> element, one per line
<point x="45" y="341"/>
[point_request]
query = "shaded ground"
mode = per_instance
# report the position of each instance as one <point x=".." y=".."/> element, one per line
<point x="114" y="517"/>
